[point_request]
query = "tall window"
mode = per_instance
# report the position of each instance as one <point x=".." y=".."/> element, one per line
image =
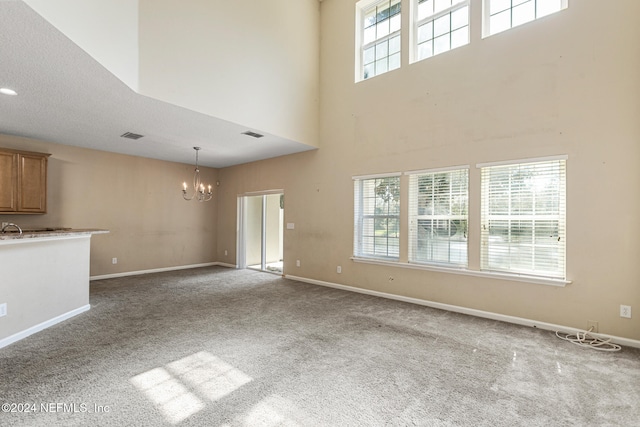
<point x="440" y="25"/>
<point x="377" y="217"/>
<point x="438" y="217"/>
<point x="500" y="15"/>
<point x="379" y="28"/>
<point x="523" y="218"/>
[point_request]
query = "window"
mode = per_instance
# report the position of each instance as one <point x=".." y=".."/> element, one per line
<point x="438" y="217"/>
<point x="377" y="217"/>
<point x="523" y="218"/>
<point x="500" y="15"/>
<point x="440" y="25"/>
<point x="379" y="38"/>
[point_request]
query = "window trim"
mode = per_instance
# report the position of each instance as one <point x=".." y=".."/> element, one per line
<point x="358" y="216"/>
<point x="483" y="206"/>
<point x="361" y="7"/>
<point x="416" y="23"/>
<point x="412" y="237"/>
<point x="486" y="17"/>
<point x="377" y="175"/>
<point x="472" y="269"/>
<point x="537" y="280"/>
<point x="522" y="161"/>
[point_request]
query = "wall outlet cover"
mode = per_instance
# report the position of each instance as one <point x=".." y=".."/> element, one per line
<point x="625" y="311"/>
<point x="3" y="309"/>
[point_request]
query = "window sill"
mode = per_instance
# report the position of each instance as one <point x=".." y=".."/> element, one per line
<point x="466" y="272"/>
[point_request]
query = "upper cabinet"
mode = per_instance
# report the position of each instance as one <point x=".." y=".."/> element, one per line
<point x="23" y="182"/>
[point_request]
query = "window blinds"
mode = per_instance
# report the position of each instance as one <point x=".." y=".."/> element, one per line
<point x="438" y="217"/>
<point x="523" y="218"/>
<point x="377" y="217"/>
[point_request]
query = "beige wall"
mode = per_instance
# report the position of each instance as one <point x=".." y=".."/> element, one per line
<point x="251" y="62"/>
<point x="138" y="200"/>
<point x="567" y="84"/>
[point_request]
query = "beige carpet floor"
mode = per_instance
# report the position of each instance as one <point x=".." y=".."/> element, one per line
<point x="222" y="347"/>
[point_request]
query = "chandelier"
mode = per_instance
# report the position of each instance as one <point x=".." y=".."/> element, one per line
<point x="199" y="192"/>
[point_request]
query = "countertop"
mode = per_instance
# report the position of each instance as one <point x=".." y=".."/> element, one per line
<point x="48" y="233"/>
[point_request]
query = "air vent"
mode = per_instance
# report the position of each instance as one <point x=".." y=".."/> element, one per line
<point x="131" y="135"/>
<point x="253" y="134"/>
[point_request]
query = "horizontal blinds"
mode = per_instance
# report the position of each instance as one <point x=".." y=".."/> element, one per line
<point x="438" y="217"/>
<point x="523" y="218"/>
<point x="377" y="217"/>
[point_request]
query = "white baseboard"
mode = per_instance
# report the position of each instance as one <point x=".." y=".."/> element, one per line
<point x="159" y="270"/>
<point x="470" y="311"/>
<point x="224" y="264"/>
<point x="44" y="325"/>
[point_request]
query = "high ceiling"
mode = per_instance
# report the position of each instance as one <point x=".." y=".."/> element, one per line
<point x="66" y="97"/>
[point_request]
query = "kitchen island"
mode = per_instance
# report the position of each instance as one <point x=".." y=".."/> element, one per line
<point x="44" y="279"/>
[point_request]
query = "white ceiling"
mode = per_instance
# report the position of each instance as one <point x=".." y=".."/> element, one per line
<point x="67" y="97"/>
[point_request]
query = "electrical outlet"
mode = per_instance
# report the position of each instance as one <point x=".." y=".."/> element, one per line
<point x="339" y="269"/>
<point x="225" y="252"/>
<point x="297" y="263"/>
<point x="592" y="326"/>
<point x="625" y="311"/>
<point x="114" y="260"/>
<point x="3" y="309"/>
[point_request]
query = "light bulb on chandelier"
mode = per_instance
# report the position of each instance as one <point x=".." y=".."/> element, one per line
<point x="199" y="192"/>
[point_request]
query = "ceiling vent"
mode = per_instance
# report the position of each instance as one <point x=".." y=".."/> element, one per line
<point x="253" y="134"/>
<point x="131" y="135"/>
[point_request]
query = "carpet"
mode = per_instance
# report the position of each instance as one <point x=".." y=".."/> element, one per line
<point x="222" y="347"/>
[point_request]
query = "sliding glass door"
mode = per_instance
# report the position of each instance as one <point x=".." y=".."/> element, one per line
<point x="262" y="232"/>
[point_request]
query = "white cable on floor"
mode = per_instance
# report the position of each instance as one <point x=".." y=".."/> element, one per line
<point x="585" y="339"/>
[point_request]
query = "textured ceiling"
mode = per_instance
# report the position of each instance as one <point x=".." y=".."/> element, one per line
<point x="65" y="96"/>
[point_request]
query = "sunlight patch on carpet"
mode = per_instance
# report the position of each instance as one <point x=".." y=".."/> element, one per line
<point x="275" y="411"/>
<point x="173" y="399"/>
<point x="180" y="388"/>
<point x="208" y="375"/>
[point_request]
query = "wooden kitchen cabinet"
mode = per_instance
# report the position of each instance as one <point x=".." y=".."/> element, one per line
<point x="23" y="182"/>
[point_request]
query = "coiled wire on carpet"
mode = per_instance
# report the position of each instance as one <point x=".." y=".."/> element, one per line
<point x="585" y="339"/>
